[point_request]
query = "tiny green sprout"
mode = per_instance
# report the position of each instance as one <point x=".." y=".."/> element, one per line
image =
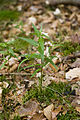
<point x="39" y="44"/>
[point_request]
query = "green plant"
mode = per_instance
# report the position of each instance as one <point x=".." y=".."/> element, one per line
<point x="70" y="115"/>
<point x="54" y="91"/>
<point x="69" y="47"/>
<point x="39" y="45"/>
<point x="17" y="118"/>
<point x="6" y="50"/>
<point x="9" y="15"/>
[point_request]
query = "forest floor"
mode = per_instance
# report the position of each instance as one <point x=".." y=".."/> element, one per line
<point x="20" y="98"/>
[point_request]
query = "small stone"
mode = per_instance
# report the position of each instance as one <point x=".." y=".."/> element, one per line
<point x="57" y="12"/>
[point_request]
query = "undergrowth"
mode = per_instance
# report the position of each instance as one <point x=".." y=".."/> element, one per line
<point x="68" y="48"/>
<point x="9" y="15"/>
<point x="8" y="105"/>
<point x="54" y="92"/>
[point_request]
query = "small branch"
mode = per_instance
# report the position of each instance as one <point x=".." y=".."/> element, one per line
<point x="22" y="74"/>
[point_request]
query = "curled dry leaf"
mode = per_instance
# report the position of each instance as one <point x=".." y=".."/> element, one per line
<point x="56" y="112"/>
<point x="48" y="111"/>
<point x="53" y="68"/>
<point x="13" y="68"/>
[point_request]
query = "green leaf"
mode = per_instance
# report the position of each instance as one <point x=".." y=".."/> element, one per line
<point x="41" y="28"/>
<point x="41" y="43"/>
<point x="36" y="30"/>
<point x="49" y="60"/>
<point x="3" y="45"/>
<point x="11" y="52"/>
<point x="30" y="41"/>
<point x="35" y="72"/>
<point x="29" y="56"/>
<point x="32" y="56"/>
<point x="46" y="36"/>
<point x="22" y="62"/>
<point x="41" y="48"/>
<point x="32" y="66"/>
<point x="3" y="64"/>
<point x="3" y="52"/>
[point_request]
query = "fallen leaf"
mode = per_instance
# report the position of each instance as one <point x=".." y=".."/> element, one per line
<point x="73" y="73"/>
<point x="29" y="108"/>
<point x="38" y="116"/>
<point x="75" y="38"/>
<point x="48" y="111"/>
<point x="76" y="63"/>
<point x="56" y="112"/>
<point x="53" y="68"/>
<point x="13" y="68"/>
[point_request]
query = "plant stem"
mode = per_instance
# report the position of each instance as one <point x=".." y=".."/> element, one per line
<point x="41" y="78"/>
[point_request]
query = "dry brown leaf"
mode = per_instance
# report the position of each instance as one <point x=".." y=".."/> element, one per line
<point x="64" y="112"/>
<point x="29" y="108"/>
<point x="53" y="68"/>
<point x="48" y="111"/>
<point x="38" y="116"/>
<point x="75" y="38"/>
<point x="49" y="18"/>
<point x="56" y="112"/>
<point x="13" y="68"/>
<point x="76" y="63"/>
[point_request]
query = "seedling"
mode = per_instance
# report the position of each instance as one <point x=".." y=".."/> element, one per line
<point x="39" y="45"/>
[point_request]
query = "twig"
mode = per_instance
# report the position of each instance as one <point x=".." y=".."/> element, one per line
<point x="22" y="74"/>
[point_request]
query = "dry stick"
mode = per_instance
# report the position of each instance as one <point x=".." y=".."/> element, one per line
<point x="56" y="2"/>
<point x="15" y="74"/>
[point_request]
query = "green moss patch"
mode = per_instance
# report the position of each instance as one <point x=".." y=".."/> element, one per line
<point x="9" y="15"/>
<point x="68" y="48"/>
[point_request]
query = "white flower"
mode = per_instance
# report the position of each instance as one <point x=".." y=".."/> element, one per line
<point x="38" y="74"/>
<point x="46" y="52"/>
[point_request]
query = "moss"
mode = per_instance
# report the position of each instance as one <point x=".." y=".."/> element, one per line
<point x="21" y="45"/>
<point x="8" y="15"/>
<point x="70" y="115"/>
<point x="17" y="118"/>
<point x="69" y="47"/>
<point x="53" y="91"/>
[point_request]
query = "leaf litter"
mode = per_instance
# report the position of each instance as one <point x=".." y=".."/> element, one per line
<point x="61" y="24"/>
